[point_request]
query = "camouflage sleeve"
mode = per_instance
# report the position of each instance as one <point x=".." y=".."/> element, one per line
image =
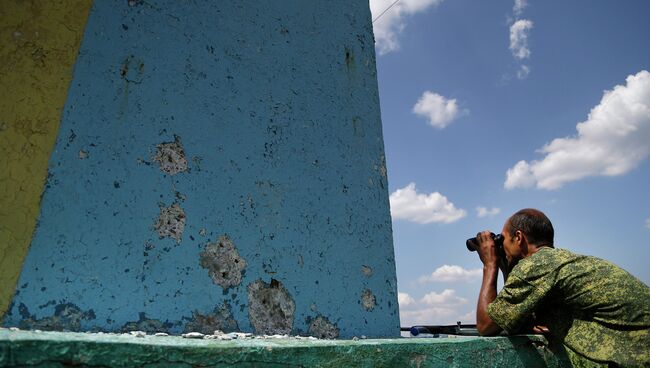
<point x="515" y="304"/>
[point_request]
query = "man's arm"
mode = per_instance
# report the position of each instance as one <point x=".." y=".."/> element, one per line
<point x="484" y="324"/>
<point x="488" y="255"/>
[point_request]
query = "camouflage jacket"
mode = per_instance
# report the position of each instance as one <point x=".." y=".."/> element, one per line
<point x="596" y="309"/>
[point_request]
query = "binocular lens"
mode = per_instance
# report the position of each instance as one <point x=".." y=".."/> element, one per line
<point x="472" y="243"/>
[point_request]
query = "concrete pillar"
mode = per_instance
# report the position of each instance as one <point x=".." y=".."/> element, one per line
<point x="219" y="165"/>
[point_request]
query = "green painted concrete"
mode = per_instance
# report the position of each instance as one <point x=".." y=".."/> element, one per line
<point x="32" y="348"/>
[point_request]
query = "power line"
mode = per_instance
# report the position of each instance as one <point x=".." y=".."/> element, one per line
<point x="384" y="12"/>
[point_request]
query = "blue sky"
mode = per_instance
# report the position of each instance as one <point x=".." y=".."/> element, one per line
<point x="493" y="106"/>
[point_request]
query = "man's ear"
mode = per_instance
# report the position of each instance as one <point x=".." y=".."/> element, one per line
<point x="519" y="238"/>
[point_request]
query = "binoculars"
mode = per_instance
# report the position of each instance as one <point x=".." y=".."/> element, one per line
<point x="472" y="243"/>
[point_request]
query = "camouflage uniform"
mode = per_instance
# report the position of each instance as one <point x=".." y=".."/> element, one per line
<point x="595" y="309"/>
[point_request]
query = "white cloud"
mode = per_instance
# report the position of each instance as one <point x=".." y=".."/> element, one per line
<point x="647" y="223"/>
<point x="613" y="140"/>
<point x="519" y="175"/>
<point x="447" y="273"/>
<point x="405" y="300"/>
<point x="523" y="72"/>
<point x="388" y="26"/>
<point x="432" y="308"/>
<point x="519" y="7"/>
<point x="447" y="298"/>
<point x="409" y="205"/>
<point x="440" y="111"/>
<point x="468" y="318"/>
<point x="485" y="212"/>
<point x="428" y="316"/>
<point x="519" y="38"/>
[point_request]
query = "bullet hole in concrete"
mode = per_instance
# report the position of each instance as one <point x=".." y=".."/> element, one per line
<point x="321" y="328"/>
<point x="349" y="57"/>
<point x="124" y="70"/>
<point x="220" y="319"/>
<point x="271" y="308"/>
<point x="366" y="270"/>
<point x="83" y="155"/>
<point x="171" y="156"/>
<point x="116" y="184"/>
<point x="171" y="222"/>
<point x="147" y="325"/>
<point x="67" y="317"/>
<point x="368" y="300"/>
<point x="223" y="262"/>
<point x="357" y="125"/>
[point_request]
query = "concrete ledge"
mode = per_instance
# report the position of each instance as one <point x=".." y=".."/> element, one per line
<point x="31" y="348"/>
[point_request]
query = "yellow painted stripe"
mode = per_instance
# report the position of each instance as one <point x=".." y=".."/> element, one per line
<point x="39" y="43"/>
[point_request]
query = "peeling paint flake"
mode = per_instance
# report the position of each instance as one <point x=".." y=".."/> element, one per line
<point x="171" y="222"/>
<point x="67" y="317"/>
<point x="147" y="325"/>
<point x="321" y="328"/>
<point x="368" y="300"/>
<point x="220" y="319"/>
<point x="271" y="307"/>
<point x="223" y="262"/>
<point x="366" y="270"/>
<point x="171" y="157"/>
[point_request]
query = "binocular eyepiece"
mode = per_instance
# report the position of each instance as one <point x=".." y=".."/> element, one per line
<point x="472" y="243"/>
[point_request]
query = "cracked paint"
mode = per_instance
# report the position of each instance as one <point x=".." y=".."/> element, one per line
<point x="368" y="300"/>
<point x="171" y="222"/>
<point x="322" y="328"/>
<point x="66" y="317"/>
<point x="271" y="308"/>
<point x="220" y="319"/>
<point x="148" y="325"/>
<point x="366" y="270"/>
<point x="180" y="126"/>
<point x="171" y="157"/>
<point x="223" y="262"/>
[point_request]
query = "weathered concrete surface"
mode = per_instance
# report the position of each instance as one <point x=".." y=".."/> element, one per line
<point x="39" y="41"/>
<point x="23" y="348"/>
<point x="191" y="122"/>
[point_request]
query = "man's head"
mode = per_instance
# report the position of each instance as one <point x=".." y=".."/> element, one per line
<point x="526" y="228"/>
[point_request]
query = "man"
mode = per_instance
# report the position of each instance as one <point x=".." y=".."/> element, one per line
<point x="598" y="311"/>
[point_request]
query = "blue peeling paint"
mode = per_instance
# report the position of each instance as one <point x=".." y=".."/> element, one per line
<point x="275" y="105"/>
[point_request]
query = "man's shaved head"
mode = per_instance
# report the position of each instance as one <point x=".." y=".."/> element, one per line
<point x="534" y="224"/>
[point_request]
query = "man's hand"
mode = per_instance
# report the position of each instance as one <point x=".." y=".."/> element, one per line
<point x="487" y="250"/>
<point x="543" y="330"/>
<point x="489" y="253"/>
